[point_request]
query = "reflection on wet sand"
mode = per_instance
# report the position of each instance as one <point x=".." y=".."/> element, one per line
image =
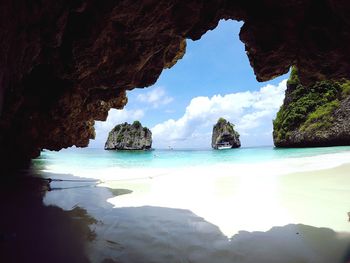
<point x="158" y="234"/>
<point x="33" y="232"/>
<point x="79" y="225"/>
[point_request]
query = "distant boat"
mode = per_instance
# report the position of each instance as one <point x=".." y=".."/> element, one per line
<point x="224" y="145"/>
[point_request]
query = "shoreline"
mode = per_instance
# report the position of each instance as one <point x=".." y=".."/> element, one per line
<point x="275" y="167"/>
<point x="255" y="197"/>
<point x="217" y="209"/>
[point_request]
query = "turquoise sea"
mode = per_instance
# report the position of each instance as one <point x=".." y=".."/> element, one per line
<point x="90" y="158"/>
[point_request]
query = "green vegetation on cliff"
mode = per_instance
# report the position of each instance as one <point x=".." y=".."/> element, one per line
<point x="308" y="108"/>
<point x="136" y="124"/>
<point x="293" y="78"/>
<point x="222" y="124"/>
<point x="321" y="118"/>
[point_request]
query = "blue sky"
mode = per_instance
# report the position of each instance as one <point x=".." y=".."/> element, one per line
<point x="213" y="79"/>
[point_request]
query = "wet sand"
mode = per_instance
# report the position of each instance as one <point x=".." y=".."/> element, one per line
<point x="31" y="231"/>
<point x="201" y="216"/>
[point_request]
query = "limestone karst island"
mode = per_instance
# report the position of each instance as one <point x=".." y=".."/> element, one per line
<point x="175" y="131"/>
<point x="129" y="137"/>
<point x="224" y="135"/>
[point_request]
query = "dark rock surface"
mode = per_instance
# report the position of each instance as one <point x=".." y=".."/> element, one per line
<point x="224" y="133"/>
<point x="129" y="137"/>
<point x="65" y="63"/>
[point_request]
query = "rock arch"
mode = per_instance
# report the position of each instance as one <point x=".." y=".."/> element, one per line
<point x="64" y="64"/>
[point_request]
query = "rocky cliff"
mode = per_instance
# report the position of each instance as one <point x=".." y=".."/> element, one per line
<point x="224" y="133"/>
<point x="314" y="115"/>
<point x="129" y="137"/>
<point x="65" y="63"/>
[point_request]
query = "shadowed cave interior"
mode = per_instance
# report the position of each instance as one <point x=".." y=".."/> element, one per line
<point x="64" y="64"/>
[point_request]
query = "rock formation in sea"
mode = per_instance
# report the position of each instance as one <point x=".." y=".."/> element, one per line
<point x="129" y="137"/>
<point x="64" y="64"/>
<point x="313" y="115"/>
<point x="224" y="134"/>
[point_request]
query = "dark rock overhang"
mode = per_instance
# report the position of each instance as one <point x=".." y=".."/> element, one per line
<point x="65" y="63"/>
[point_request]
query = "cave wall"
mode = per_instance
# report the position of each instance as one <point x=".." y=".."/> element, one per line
<point x="65" y="63"/>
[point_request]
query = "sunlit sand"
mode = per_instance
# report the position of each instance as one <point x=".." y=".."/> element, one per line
<point x="311" y="190"/>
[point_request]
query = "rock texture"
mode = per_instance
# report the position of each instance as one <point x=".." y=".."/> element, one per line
<point x="317" y="115"/>
<point x="224" y="132"/>
<point x="129" y="137"/>
<point x="65" y="63"/>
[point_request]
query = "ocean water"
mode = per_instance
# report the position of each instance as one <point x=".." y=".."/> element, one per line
<point x="88" y="158"/>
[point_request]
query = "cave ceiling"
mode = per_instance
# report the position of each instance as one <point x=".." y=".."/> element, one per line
<point x="65" y="63"/>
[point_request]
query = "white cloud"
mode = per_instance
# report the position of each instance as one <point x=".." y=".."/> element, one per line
<point x="156" y="97"/>
<point x="252" y="112"/>
<point x="115" y="117"/>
